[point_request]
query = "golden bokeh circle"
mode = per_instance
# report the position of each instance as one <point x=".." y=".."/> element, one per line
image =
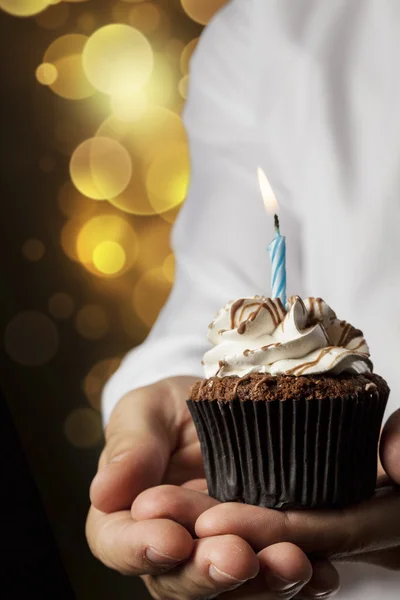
<point x="129" y="109"/>
<point x="46" y="73"/>
<point x="186" y="55"/>
<point x="69" y="235"/>
<point x="92" y="322"/>
<point x="150" y="294"/>
<point x="109" y="257"/>
<point x="161" y="85"/>
<point x="171" y="215"/>
<point x="169" y="267"/>
<point x="202" y="11"/>
<point x="168" y="177"/>
<point x="61" y="305"/>
<point x="54" y="17"/>
<point x="183" y="86"/>
<point x="24" y="8"/>
<point x="118" y="59"/>
<point x="144" y="139"/>
<point x="96" y="379"/>
<point x="100" y="168"/>
<point x="83" y="428"/>
<point x="31" y="339"/>
<point x="107" y="228"/>
<point x="86" y="22"/>
<point x="154" y="243"/>
<point x="73" y="204"/>
<point x="145" y="16"/>
<point x="65" y="53"/>
<point x="33" y="250"/>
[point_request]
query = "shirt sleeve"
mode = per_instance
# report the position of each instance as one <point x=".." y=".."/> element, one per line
<point x="220" y="237"/>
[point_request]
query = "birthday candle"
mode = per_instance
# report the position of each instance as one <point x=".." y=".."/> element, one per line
<point x="277" y="248"/>
<point x="277" y="252"/>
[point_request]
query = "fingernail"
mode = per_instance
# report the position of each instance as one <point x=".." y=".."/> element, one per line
<point x="158" y="558"/>
<point x="319" y="594"/>
<point x="222" y="577"/>
<point x="118" y="458"/>
<point x="280" y="584"/>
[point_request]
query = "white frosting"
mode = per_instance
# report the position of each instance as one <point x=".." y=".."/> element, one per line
<point x="258" y="335"/>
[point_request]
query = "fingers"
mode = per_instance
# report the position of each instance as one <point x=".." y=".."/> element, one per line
<point x="216" y="565"/>
<point x="200" y="485"/>
<point x="135" y="548"/>
<point x="285" y="568"/>
<point x="324" y="583"/>
<point x="372" y="525"/>
<point x="139" y="438"/>
<point x="390" y="447"/>
<point x="179" y="504"/>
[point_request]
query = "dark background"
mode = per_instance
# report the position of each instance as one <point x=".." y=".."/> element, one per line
<point x="67" y="319"/>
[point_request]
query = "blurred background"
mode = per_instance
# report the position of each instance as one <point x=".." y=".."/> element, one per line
<point x="94" y="170"/>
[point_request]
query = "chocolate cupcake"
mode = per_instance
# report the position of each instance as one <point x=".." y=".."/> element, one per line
<point x="290" y="413"/>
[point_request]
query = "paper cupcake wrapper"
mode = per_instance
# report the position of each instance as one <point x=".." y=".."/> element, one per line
<point x="292" y="453"/>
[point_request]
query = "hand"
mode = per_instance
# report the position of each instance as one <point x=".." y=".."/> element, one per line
<point x="150" y="440"/>
<point x="369" y="532"/>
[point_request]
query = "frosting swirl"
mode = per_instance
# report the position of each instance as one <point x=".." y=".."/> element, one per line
<point x="259" y="335"/>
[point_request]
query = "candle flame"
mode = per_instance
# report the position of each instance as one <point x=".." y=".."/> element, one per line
<point x="268" y="195"/>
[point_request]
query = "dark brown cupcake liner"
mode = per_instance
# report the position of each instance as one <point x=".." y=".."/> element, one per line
<point x="292" y="453"/>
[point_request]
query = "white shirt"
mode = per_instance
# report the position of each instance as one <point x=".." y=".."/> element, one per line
<point x="310" y="91"/>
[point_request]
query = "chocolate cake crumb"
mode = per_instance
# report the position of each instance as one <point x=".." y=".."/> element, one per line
<point x="260" y="386"/>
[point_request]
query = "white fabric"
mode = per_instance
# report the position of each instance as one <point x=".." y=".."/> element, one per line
<point x="309" y="90"/>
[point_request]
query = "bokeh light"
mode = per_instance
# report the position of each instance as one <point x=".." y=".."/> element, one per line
<point x="54" y="17"/>
<point x="31" y="339"/>
<point x="150" y="294"/>
<point x="96" y="379"/>
<point x="65" y="54"/>
<point x="149" y="137"/>
<point x="183" y="86"/>
<point x="33" y="250"/>
<point x="24" y="8"/>
<point x="109" y="257"/>
<point x="160" y="87"/>
<point x="202" y="11"/>
<point x="145" y="16"/>
<point x="46" y="73"/>
<point x="83" y="428"/>
<point x="154" y="243"/>
<point x="129" y="109"/>
<point x="118" y="59"/>
<point x="168" y="177"/>
<point x="186" y="55"/>
<point x="69" y="235"/>
<point x="100" y="168"/>
<point x="118" y="236"/>
<point x="73" y="204"/>
<point x="61" y="305"/>
<point x="169" y="267"/>
<point x="92" y="322"/>
<point x="86" y="22"/>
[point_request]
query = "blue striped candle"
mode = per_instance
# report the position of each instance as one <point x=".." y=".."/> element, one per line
<point x="277" y="252"/>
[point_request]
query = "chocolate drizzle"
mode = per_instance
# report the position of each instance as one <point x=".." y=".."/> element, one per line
<point x="235" y="307"/>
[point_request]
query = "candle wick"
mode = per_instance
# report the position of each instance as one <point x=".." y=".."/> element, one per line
<point x="276" y="223"/>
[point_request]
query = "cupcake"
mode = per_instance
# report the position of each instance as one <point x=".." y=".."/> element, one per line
<point x="290" y="411"/>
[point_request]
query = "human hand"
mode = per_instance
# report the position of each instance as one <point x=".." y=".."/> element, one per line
<point x="151" y="439"/>
<point x="369" y="532"/>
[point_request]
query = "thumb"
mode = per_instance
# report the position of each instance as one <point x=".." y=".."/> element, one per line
<point x="140" y="437"/>
<point x="390" y="447"/>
